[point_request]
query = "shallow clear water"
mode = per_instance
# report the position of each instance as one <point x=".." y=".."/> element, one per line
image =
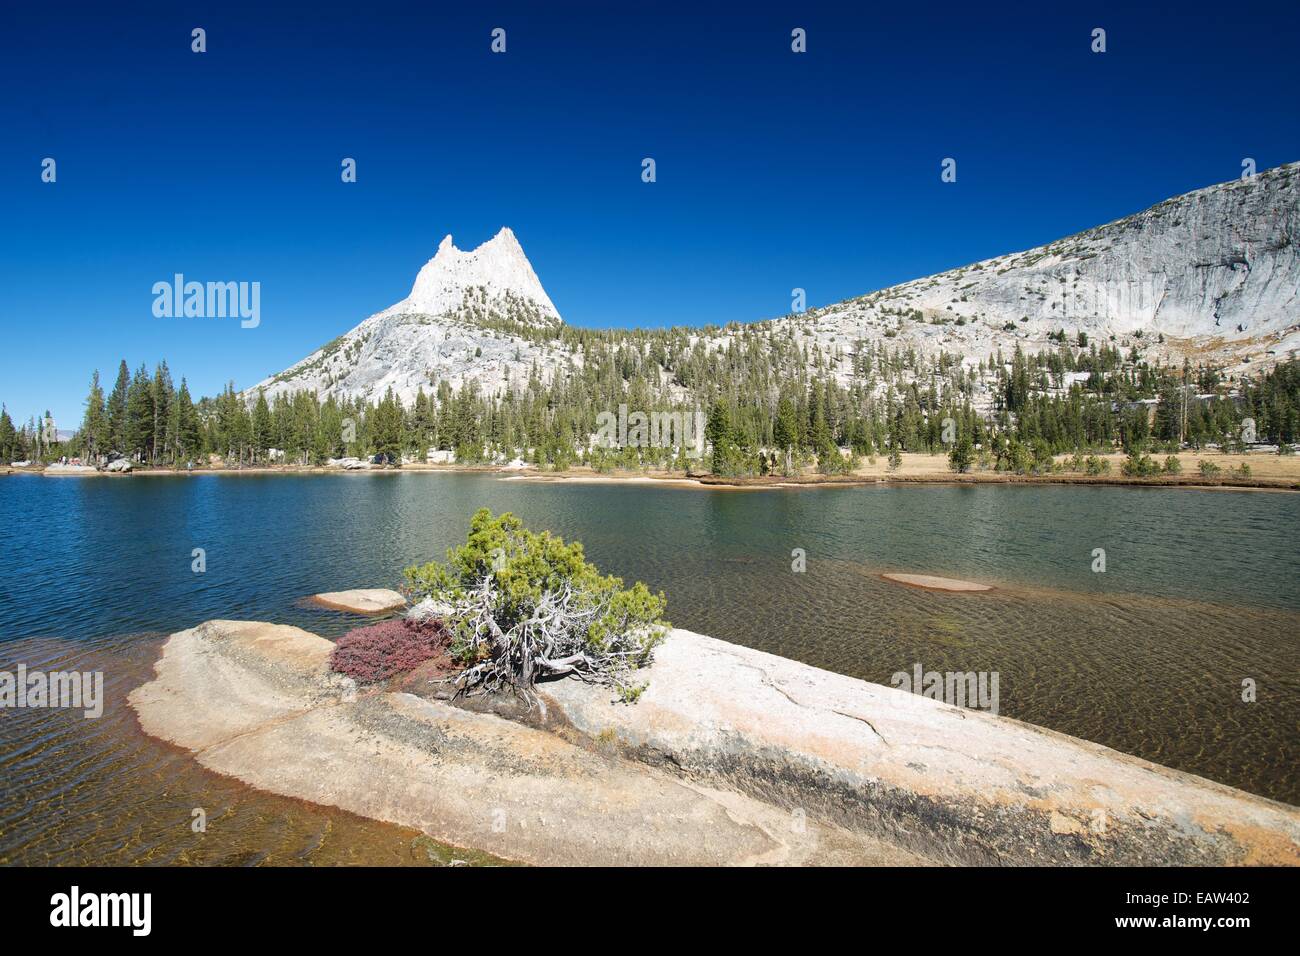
<point x="1200" y="593"/>
<point x="100" y="792"/>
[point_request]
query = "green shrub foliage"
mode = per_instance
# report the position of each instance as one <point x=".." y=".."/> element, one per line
<point x="524" y="606"/>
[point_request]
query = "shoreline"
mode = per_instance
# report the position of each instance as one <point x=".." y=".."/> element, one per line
<point x="998" y="478"/>
<point x="708" y="481"/>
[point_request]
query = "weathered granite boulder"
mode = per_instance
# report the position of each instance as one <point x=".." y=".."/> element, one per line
<point x="350" y="464"/>
<point x="118" y="466"/>
<point x="362" y="600"/>
<point x="58" y="469"/>
<point x="951" y="783"/>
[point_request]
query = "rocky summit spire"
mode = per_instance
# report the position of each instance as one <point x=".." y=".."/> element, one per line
<point x="498" y="266"/>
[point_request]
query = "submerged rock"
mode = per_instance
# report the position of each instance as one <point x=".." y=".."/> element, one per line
<point x="362" y="600"/>
<point x="933" y="582"/>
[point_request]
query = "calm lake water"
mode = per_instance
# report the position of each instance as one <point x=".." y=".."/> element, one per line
<point x="1201" y="592"/>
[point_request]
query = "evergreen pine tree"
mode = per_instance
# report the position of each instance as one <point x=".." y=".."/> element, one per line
<point x="115" y="410"/>
<point x="160" y="397"/>
<point x="8" y="437"/>
<point x="94" y="425"/>
<point x="262" y="426"/>
<point x="187" y="424"/>
<point x="138" y="428"/>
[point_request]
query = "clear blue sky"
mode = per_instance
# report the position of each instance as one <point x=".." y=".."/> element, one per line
<point x="775" y="170"/>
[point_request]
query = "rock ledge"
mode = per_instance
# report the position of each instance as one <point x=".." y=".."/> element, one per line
<point x="731" y="756"/>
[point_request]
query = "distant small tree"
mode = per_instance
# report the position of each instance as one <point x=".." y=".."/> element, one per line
<point x="1044" y="462"/>
<point x="1013" y="456"/>
<point x="832" y="462"/>
<point x="733" y="455"/>
<point x="785" y="431"/>
<point x="1139" y="466"/>
<point x="962" y="455"/>
<point x="1096" y="466"/>
<point x="386" y="427"/>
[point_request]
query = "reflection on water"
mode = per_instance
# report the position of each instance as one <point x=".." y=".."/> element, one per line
<point x="1200" y="594"/>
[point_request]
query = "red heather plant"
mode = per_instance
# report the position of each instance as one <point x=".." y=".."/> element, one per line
<point x="378" y="651"/>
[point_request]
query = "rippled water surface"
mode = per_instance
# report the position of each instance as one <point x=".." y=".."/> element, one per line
<point x="1200" y="594"/>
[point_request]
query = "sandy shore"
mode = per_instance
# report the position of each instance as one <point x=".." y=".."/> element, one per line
<point x="732" y="756"/>
<point x="593" y="478"/>
<point x="1268" y="473"/>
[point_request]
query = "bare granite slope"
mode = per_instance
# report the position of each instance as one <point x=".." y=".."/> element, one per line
<point x="1212" y="274"/>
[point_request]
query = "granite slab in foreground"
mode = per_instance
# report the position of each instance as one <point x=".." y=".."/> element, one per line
<point x="256" y="702"/>
<point x="731" y="756"/>
<point x="961" y="786"/>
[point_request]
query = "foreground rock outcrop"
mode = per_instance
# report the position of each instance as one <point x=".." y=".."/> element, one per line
<point x="959" y="785"/>
<point x="257" y="702"/>
<point x="731" y="756"/>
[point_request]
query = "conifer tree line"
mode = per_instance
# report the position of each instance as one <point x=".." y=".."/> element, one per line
<point x="774" y="404"/>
